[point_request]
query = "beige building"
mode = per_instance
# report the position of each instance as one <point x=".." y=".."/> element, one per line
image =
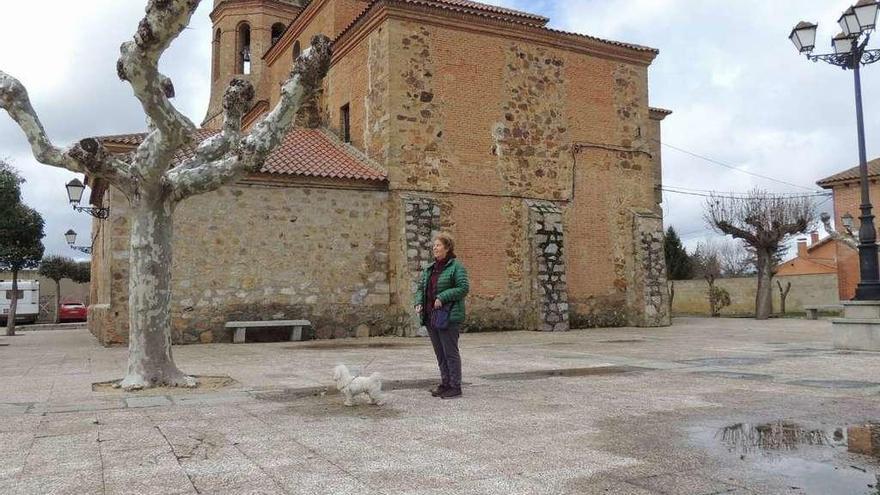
<point x="536" y="148"/>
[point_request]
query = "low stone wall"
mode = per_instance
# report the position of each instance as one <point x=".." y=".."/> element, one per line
<point x="691" y="296"/>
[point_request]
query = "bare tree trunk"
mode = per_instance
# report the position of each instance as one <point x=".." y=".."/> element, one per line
<point x="764" y="295"/>
<point x="783" y="293"/>
<point x="13" y="306"/>
<point x="149" y="348"/>
<point x="57" y="302"/>
<point x="712" y="302"/>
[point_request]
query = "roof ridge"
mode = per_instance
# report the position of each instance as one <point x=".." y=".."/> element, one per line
<point x="490" y="14"/>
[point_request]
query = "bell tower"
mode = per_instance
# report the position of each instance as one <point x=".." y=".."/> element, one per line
<point x="242" y="31"/>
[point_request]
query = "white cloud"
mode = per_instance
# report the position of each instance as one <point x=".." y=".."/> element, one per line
<point x="740" y="93"/>
<point x="65" y="53"/>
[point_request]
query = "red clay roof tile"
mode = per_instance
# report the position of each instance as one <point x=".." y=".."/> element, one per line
<point x="306" y="152"/>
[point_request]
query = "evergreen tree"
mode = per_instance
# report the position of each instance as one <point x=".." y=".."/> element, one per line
<point x="678" y="263"/>
<point x="21" y="234"/>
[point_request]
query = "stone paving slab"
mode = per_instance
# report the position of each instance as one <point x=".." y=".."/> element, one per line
<point x="579" y="412"/>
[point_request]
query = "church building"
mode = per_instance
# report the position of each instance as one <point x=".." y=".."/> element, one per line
<point x="536" y="148"/>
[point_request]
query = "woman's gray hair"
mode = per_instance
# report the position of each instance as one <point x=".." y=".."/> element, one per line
<point x="447" y="240"/>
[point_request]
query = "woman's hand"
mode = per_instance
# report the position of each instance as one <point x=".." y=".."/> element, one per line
<point x="418" y="308"/>
<point x="438" y="303"/>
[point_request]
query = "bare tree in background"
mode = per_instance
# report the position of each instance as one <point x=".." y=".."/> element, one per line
<point x="707" y="265"/>
<point x="783" y="294"/>
<point x="765" y="222"/>
<point x="151" y="179"/>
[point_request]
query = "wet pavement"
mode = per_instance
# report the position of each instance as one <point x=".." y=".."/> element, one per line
<point x="707" y="406"/>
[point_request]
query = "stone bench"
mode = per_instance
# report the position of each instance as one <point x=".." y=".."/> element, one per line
<point x="813" y="311"/>
<point x="241" y="327"/>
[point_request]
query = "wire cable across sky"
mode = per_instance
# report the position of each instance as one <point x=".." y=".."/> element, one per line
<point x="731" y="167"/>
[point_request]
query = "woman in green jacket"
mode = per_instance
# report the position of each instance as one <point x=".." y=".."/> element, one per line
<point x="444" y="285"/>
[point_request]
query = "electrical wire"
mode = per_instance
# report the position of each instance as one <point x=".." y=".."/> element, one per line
<point x="731" y="167"/>
<point x="736" y="195"/>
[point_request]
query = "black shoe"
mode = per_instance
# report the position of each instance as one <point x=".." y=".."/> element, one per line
<point x="438" y="390"/>
<point x="451" y="393"/>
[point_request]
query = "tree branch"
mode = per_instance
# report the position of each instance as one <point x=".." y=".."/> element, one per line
<point x="139" y="65"/>
<point x="847" y="238"/>
<point x="87" y="156"/>
<point x="249" y="153"/>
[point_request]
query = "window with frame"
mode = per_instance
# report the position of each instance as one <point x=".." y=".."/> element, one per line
<point x="19" y="292"/>
<point x="345" y="123"/>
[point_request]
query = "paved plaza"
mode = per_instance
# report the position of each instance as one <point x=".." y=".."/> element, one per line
<point x="707" y="406"/>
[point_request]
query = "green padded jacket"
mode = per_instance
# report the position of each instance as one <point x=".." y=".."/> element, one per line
<point x="452" y="287"/>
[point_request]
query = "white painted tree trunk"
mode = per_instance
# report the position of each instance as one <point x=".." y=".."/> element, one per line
<point x="151" y="178"/>
<point x="149" y="348"/>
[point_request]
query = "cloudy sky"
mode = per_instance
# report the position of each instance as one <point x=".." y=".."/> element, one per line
<point x="741" y="94"/>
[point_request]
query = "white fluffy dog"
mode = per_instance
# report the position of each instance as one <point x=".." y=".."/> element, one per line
<point x="353" y="386"/>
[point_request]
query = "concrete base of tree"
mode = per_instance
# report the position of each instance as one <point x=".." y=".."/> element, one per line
<point x="859" y="329"/>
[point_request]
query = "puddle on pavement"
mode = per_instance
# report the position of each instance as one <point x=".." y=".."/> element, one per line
<point x="833" y="384"/>
<point x="320" y="345"/>
<point x="566" y="372"/>
<point x="622" y="341"/>
<point x="733" y="374"/>
<point x="811" y="459"/>
<point x="726" y="361"/>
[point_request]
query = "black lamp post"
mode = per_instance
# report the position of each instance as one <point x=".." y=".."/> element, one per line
<point x="75" y="190"/>
<point x="70" y="237"/>
<point x="850" y="52"/>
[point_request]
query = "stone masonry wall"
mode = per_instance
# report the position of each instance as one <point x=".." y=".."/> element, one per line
<point x="650" y="296"/>
<point x="531" y="139"/>
<point x="418" y="148"/>
<point x="421" y="224"/>
<point x="550" y="280"/>
<point x="259" y="253"/>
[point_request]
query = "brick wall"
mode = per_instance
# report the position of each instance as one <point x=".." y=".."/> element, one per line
<point x="847" y="198"/>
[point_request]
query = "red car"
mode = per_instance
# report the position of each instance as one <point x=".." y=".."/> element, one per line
<point x="73" y="311"/>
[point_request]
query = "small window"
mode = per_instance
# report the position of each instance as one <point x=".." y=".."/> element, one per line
<point x="243" y="62"/>
<point x="19" y="292"/>
<point x="277" y="30"/>
<point x="215" y="56"/>
<point x="296" y="51"/>
<point x="345" y="123"/>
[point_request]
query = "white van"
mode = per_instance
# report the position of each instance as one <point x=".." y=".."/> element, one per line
<point x="28" y="308"/>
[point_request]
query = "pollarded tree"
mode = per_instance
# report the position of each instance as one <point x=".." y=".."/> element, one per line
<point x="765" y="222"/>
<point x="81" y="272"/>
<point x="151" y="180"/>
<point x="56" y="268"/>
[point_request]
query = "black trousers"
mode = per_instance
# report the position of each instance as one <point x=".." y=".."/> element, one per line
<point x="445" y="344"/>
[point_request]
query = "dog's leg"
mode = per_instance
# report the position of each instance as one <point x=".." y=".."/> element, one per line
<point x="348" y="398"/>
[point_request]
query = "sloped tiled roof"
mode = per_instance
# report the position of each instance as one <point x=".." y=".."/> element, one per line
<point x="851" y="174"/>
<point x="491" y="11"/>
<point x="503" y="11"/>
<point x="305" y="152"/>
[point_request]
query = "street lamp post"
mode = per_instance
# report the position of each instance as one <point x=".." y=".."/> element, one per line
<point x="70" y="237"/>
<point x="850" y="52"/>
<point x="75" y="190"/>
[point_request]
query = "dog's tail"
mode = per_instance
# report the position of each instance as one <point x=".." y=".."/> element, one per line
<point x="376" y="376"/>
